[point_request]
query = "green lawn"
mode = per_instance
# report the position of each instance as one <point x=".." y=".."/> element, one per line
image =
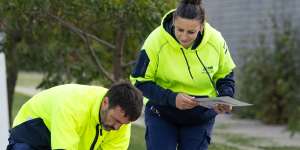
<point x="137" y="141"/>
<point x="221" y="147"/>
<point x="19" y="100"/>
<point x="281" y="148"/>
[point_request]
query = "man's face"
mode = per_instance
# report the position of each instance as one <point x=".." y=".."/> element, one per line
<point x="112" y="118"/>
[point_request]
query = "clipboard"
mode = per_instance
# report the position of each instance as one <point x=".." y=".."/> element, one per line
<point x="210" y="102"/>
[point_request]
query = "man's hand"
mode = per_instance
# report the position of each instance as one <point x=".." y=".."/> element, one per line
<point x="184" y="101"/>
<point x="222" y="108"/>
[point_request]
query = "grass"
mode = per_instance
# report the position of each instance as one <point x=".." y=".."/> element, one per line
<point x="221" y="147"/>
<point x="19" y="100"/>
<point x="241" y="140"/>
<point x="280" y="148"/>
<point x="221" y="126"/>
<point x="137" y="141"/>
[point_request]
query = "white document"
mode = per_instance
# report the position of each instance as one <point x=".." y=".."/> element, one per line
<point x="210" y="102"/>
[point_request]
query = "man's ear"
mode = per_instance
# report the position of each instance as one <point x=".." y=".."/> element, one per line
<point x="105" y="103"/>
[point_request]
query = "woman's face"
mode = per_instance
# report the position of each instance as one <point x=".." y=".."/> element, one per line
<point x="186" y="30"/>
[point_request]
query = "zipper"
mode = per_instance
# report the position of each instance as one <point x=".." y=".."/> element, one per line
<point x="96" y="136"/>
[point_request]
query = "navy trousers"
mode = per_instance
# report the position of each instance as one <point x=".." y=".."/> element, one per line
<point x="164" y="135"/>
<point x="30" y="135"/>
<point x="19" y="146"/>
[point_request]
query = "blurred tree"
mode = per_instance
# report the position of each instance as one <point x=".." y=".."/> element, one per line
<point x="270" y="75"/>
<point x="76" y="40"/>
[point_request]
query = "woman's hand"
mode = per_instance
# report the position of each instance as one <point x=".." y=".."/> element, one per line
<point x="222" y="108"/>
<point x="184" y="101"/>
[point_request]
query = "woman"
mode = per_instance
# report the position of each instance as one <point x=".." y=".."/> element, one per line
<point x="182" y="59"/>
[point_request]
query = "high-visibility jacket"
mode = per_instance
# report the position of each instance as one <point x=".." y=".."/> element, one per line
<point x="164" y="61"/>
<point x="71" y="113"/>
<point x="165" y="68"/>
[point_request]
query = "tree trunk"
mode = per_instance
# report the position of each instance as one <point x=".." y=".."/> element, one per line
<point x="10" y="49"/>
<point x="12" y="75"/>
<point x="118" y="54"/>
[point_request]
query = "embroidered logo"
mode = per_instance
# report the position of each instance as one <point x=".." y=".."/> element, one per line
<point x="209" y="69"/>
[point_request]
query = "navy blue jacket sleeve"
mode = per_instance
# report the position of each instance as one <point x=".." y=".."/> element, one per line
<point x="226" y="85"/>
<point x="157" y="94"/>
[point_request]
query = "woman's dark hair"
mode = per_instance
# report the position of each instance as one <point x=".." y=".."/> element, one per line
<point x="128" y="97"/>
<point x="190" y="9"/>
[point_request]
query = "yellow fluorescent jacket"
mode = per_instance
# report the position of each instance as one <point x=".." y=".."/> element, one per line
<point x="167" y="66"/>
<point x="71" y="113"/>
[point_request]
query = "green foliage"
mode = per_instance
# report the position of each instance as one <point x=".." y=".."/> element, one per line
<point x="48" y="45"/>
<point x="81" y="41"/>
<point x="270" y="75"/>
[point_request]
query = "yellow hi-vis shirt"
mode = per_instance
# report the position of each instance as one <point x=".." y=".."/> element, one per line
<point x="71" y="113"/>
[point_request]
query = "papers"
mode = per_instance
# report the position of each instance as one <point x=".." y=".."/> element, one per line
<point x="210" y="102"/>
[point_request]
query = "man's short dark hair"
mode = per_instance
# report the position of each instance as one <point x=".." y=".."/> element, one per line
<point x="128" y="97"/>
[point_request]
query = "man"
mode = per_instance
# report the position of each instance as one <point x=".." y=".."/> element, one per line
<point x="79" y="117"/>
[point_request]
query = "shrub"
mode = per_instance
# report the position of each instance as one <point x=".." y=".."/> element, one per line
<point x="269" y="77"/>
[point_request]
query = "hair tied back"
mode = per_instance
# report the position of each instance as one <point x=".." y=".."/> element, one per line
<point x="193" y="2"/>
